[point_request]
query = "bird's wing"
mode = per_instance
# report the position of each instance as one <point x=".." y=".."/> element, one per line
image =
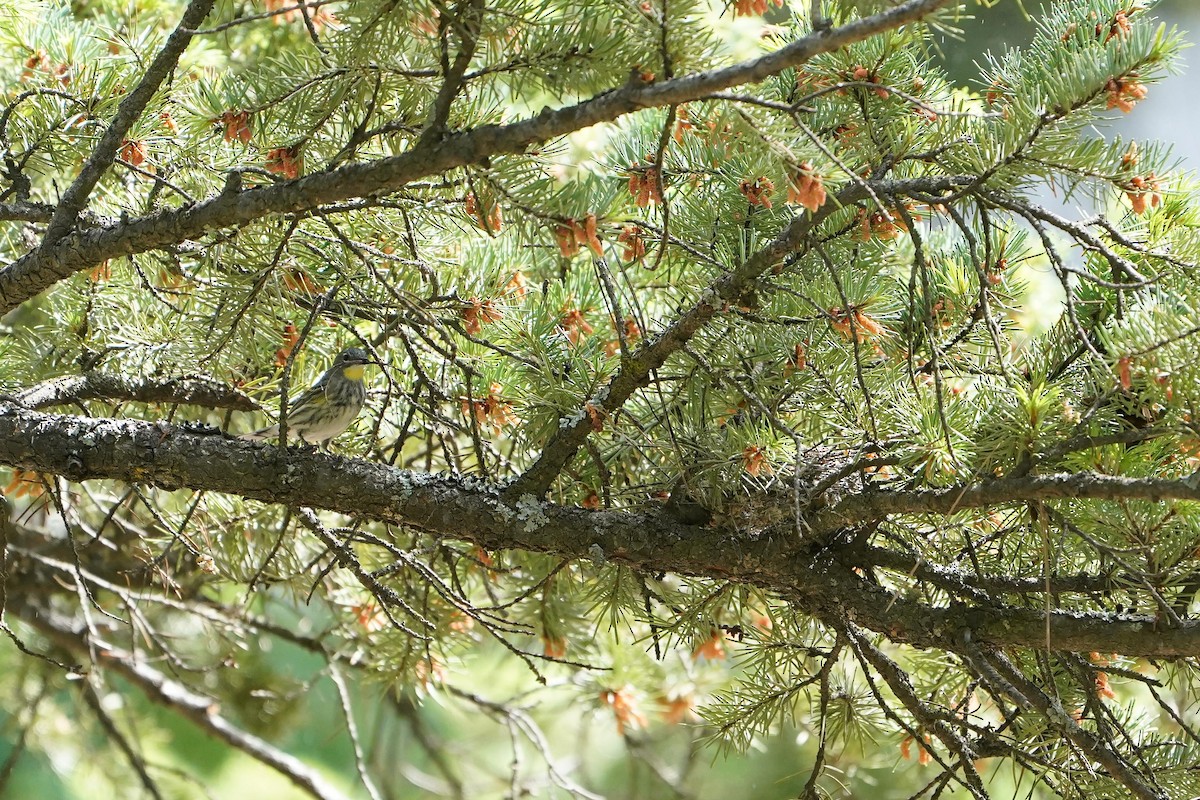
<point x="315" y="395"/>
<point x="326" y="382"/>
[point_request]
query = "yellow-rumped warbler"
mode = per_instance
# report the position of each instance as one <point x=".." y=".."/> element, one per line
<point x="330" y="406"/>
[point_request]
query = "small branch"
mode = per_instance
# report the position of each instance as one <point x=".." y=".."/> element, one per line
<point x="200" y="710"/>
<point x="636" y="371"/>
<point x="1076" y="485"/>
<point x="467" y="23"/>
<point x="387" y="597"/>
<point x="1027" y="694"/>
<point x="335" y="675"/>
<point x="313" y="4"/>
<point x="25" y="212"/>
<point x="1076" y="231"/>
<point x="929" y="720"/>
<point x="75" y="197"/>
<point x="984" y="586"/>
<point x="123" y="744"/>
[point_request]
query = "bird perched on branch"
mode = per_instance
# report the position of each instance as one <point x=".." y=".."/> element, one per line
<point x="330" y="406"/>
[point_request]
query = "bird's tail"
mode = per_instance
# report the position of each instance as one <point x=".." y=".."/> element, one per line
<point x="261" y="433"/>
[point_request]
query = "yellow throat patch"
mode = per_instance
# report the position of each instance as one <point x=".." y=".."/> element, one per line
<point x="354" y="372"/>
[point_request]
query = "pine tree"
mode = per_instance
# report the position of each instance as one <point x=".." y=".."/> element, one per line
<point x="735" y="372"/>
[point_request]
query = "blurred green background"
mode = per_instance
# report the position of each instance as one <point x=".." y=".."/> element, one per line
<point x="1172" y="110"/>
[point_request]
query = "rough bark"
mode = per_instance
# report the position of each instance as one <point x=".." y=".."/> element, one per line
<point x="816" y="571"/>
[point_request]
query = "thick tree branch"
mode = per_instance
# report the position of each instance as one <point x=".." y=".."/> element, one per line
<point x="41" y="269"/>
<point x="98" y="386"/>
<point x="812" y="574"/>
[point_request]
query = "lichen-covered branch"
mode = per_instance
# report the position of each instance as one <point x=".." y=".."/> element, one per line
<point x="810" y="572"/>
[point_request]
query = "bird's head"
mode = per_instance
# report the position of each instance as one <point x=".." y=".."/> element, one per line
<point x="351" y="362"/>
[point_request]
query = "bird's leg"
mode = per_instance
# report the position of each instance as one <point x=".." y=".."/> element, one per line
<point x="305" y="445"/>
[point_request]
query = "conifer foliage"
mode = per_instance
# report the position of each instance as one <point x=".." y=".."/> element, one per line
<point x="735" y="373"/>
